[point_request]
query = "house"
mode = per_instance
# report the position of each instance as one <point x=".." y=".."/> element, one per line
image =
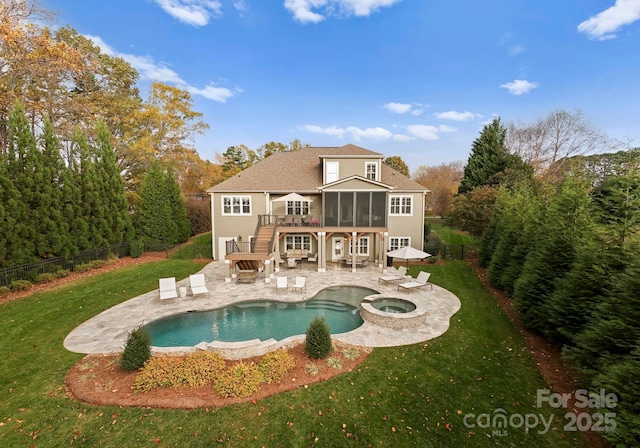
<point x="343" y="205"/>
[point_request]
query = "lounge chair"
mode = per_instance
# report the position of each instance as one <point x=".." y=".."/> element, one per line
<point x="301" y="284"/>
<point x="396" y="274"/>
<point x="197" y="284"/>
<point x="421" y="280"/>
<point x="168" y="288"/>
<point x="282" y="283"/>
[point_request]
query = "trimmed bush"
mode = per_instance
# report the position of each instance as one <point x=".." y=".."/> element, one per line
<point x="318" y="339"/>
<point x="137" y="350"/>
<point x="62" y="273"/>
<point x="136" y="248"/>
<point x="275" y="365"/>
<point x="4" y="290"/>
<point x="46" y="277"/>
<point x="21" y="285"/>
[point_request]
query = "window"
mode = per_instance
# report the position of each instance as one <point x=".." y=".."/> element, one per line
<point x="400" y="205"/>
<point x="371" y="171"/>
<point x="297" y="208"/>
<point x="332" y="172"/>
<point x="292" y="242"/>
<point x="362" y="246"/>
<point x="397" y="242"/>
<point x="236" y="205"/>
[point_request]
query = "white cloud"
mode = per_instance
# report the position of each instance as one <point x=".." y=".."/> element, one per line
<point x="333" y="130"/>
<point x="603" y="25"/>
<point x="398" y="108"/>
<point x="402" y="138"/>
<point x="154" y="71"/>
<point x="456" y="116"/>
<point x="303" y="10"/>
<point x="515" y="50"/>
<point x="192" y="12"/>
<point x="447" y="129"/>
<point x="519" y="86"/>
<point x="423" y="131"/>
<point x="374" y="133"/>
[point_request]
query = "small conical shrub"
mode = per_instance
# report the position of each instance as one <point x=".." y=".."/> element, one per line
<point x="137" y="350"/>
<point x="318" y="341"/>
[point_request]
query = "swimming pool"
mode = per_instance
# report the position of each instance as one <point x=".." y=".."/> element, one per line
<point x="261" y="319"/>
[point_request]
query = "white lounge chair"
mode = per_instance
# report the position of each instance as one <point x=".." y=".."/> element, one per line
<point x="168" y="288"/>
<point x="197" y="284"/>
<point x="282" y="283"/>
<point x="396" y="274"/>
<point x="301" y="284"/>
<point x="421" y="280"/>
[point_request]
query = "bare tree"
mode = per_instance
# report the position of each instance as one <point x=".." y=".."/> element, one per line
<point x="443" y="181"/>
<point x="555" y="137"/>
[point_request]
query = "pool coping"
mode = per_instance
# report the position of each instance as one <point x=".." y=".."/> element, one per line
<point x="107" y="331"/>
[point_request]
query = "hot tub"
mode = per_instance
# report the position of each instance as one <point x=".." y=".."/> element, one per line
<point x="392" y="312"/>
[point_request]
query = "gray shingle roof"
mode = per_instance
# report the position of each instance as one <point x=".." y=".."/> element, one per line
<point x="301" y="171"/>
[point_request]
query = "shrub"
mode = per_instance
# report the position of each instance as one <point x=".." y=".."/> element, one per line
<point x="136" y="248"/>
<point x="240" y="381"/>
<point x="318" y="339"/>
<point x="62" y="273"/>
<point x="312" y="369"/>
<point x="137" y="350"/>
<point x="21" y="285"/>
<point x="199" y="215"/>
<point x="46" y="277"/>
<point x="334" y="363"/>
<point x="350" y="353"/>
<point x="4" y="290"/>
<point x="275" y="365"/>
<point x="195" y="369"/>
<point x="82" y="267"/>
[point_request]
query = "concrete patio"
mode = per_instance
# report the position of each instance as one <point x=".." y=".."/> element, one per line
<point x="107" y="332"/>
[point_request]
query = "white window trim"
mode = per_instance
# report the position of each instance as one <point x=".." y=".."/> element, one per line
<point x="292" y="205"/>
<point x="326" y="173"/>
<point x="305" y="242"/>
<point x="397" y="242"/>
<point x="366" y="170"/>
<point x="231" y="213"/>
<point x="358" y="247"/>
<point x="401" y="197"/>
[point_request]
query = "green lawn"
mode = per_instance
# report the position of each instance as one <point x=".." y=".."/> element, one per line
<point x="451" y="236"/>
<point x="198" y="247"/>
<point x="406" y="396"/>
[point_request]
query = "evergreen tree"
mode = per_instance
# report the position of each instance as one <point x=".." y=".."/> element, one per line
<point x="490" y="162"/>
<point x="93" y="211"/>
<point x="10" y="206"/>
<point x="173" y="195"/>
<point x="154" y="220"/>
<point x="118" y="226"/>
<point x="20" y="168"/>
<point x="53" y="231"/>
<point x="563" y="229"/>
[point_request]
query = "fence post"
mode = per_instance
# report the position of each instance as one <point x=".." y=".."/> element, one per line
<point x="462" y="252"/>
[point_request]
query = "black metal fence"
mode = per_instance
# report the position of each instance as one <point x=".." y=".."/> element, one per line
<point x="437" y="248"/>
<point x="31" y="271"/>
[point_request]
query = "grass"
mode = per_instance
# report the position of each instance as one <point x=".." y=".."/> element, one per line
<point x="415" y="395"/>
<point x="198" y="247"/>
<point x="451" y="236"/>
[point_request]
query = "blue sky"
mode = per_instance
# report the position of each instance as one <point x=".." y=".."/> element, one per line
<point x="413" y="78"/>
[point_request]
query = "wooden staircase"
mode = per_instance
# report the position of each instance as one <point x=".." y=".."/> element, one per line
<point x="262" y="240"/>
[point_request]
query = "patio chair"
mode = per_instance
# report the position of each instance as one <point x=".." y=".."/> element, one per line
<point x="168" y="288"/>
<point x="313" y="257"/>
<point x="394" y="275"/>
<point x="297" y="220"/>
<point x="291" y="262"/>
<point x="301" y="284"/>
<point x="288" y="220"/>
<point x="421" y="280"/>
<point x="197" y="284"/>
<point x="282" y="283"/>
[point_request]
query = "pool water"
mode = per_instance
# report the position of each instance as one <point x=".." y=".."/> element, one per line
<point x="392" y="305"/>
<point x="261" y="319"/>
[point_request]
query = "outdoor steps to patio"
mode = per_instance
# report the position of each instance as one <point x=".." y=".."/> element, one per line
<point x="242" y="349"/>
<point x="263" y="239"/>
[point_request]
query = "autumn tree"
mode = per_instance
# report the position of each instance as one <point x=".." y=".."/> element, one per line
<point x="236" y="159"/>
<point x="443" y="181"/>
<point x="558" y="136"/>
<point x="396" y="163"/>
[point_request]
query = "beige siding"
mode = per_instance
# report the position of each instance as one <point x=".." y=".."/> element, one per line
<point x="353" y="167"/>
<point x="236" y="225"/>
<point x="409" y="226"/>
